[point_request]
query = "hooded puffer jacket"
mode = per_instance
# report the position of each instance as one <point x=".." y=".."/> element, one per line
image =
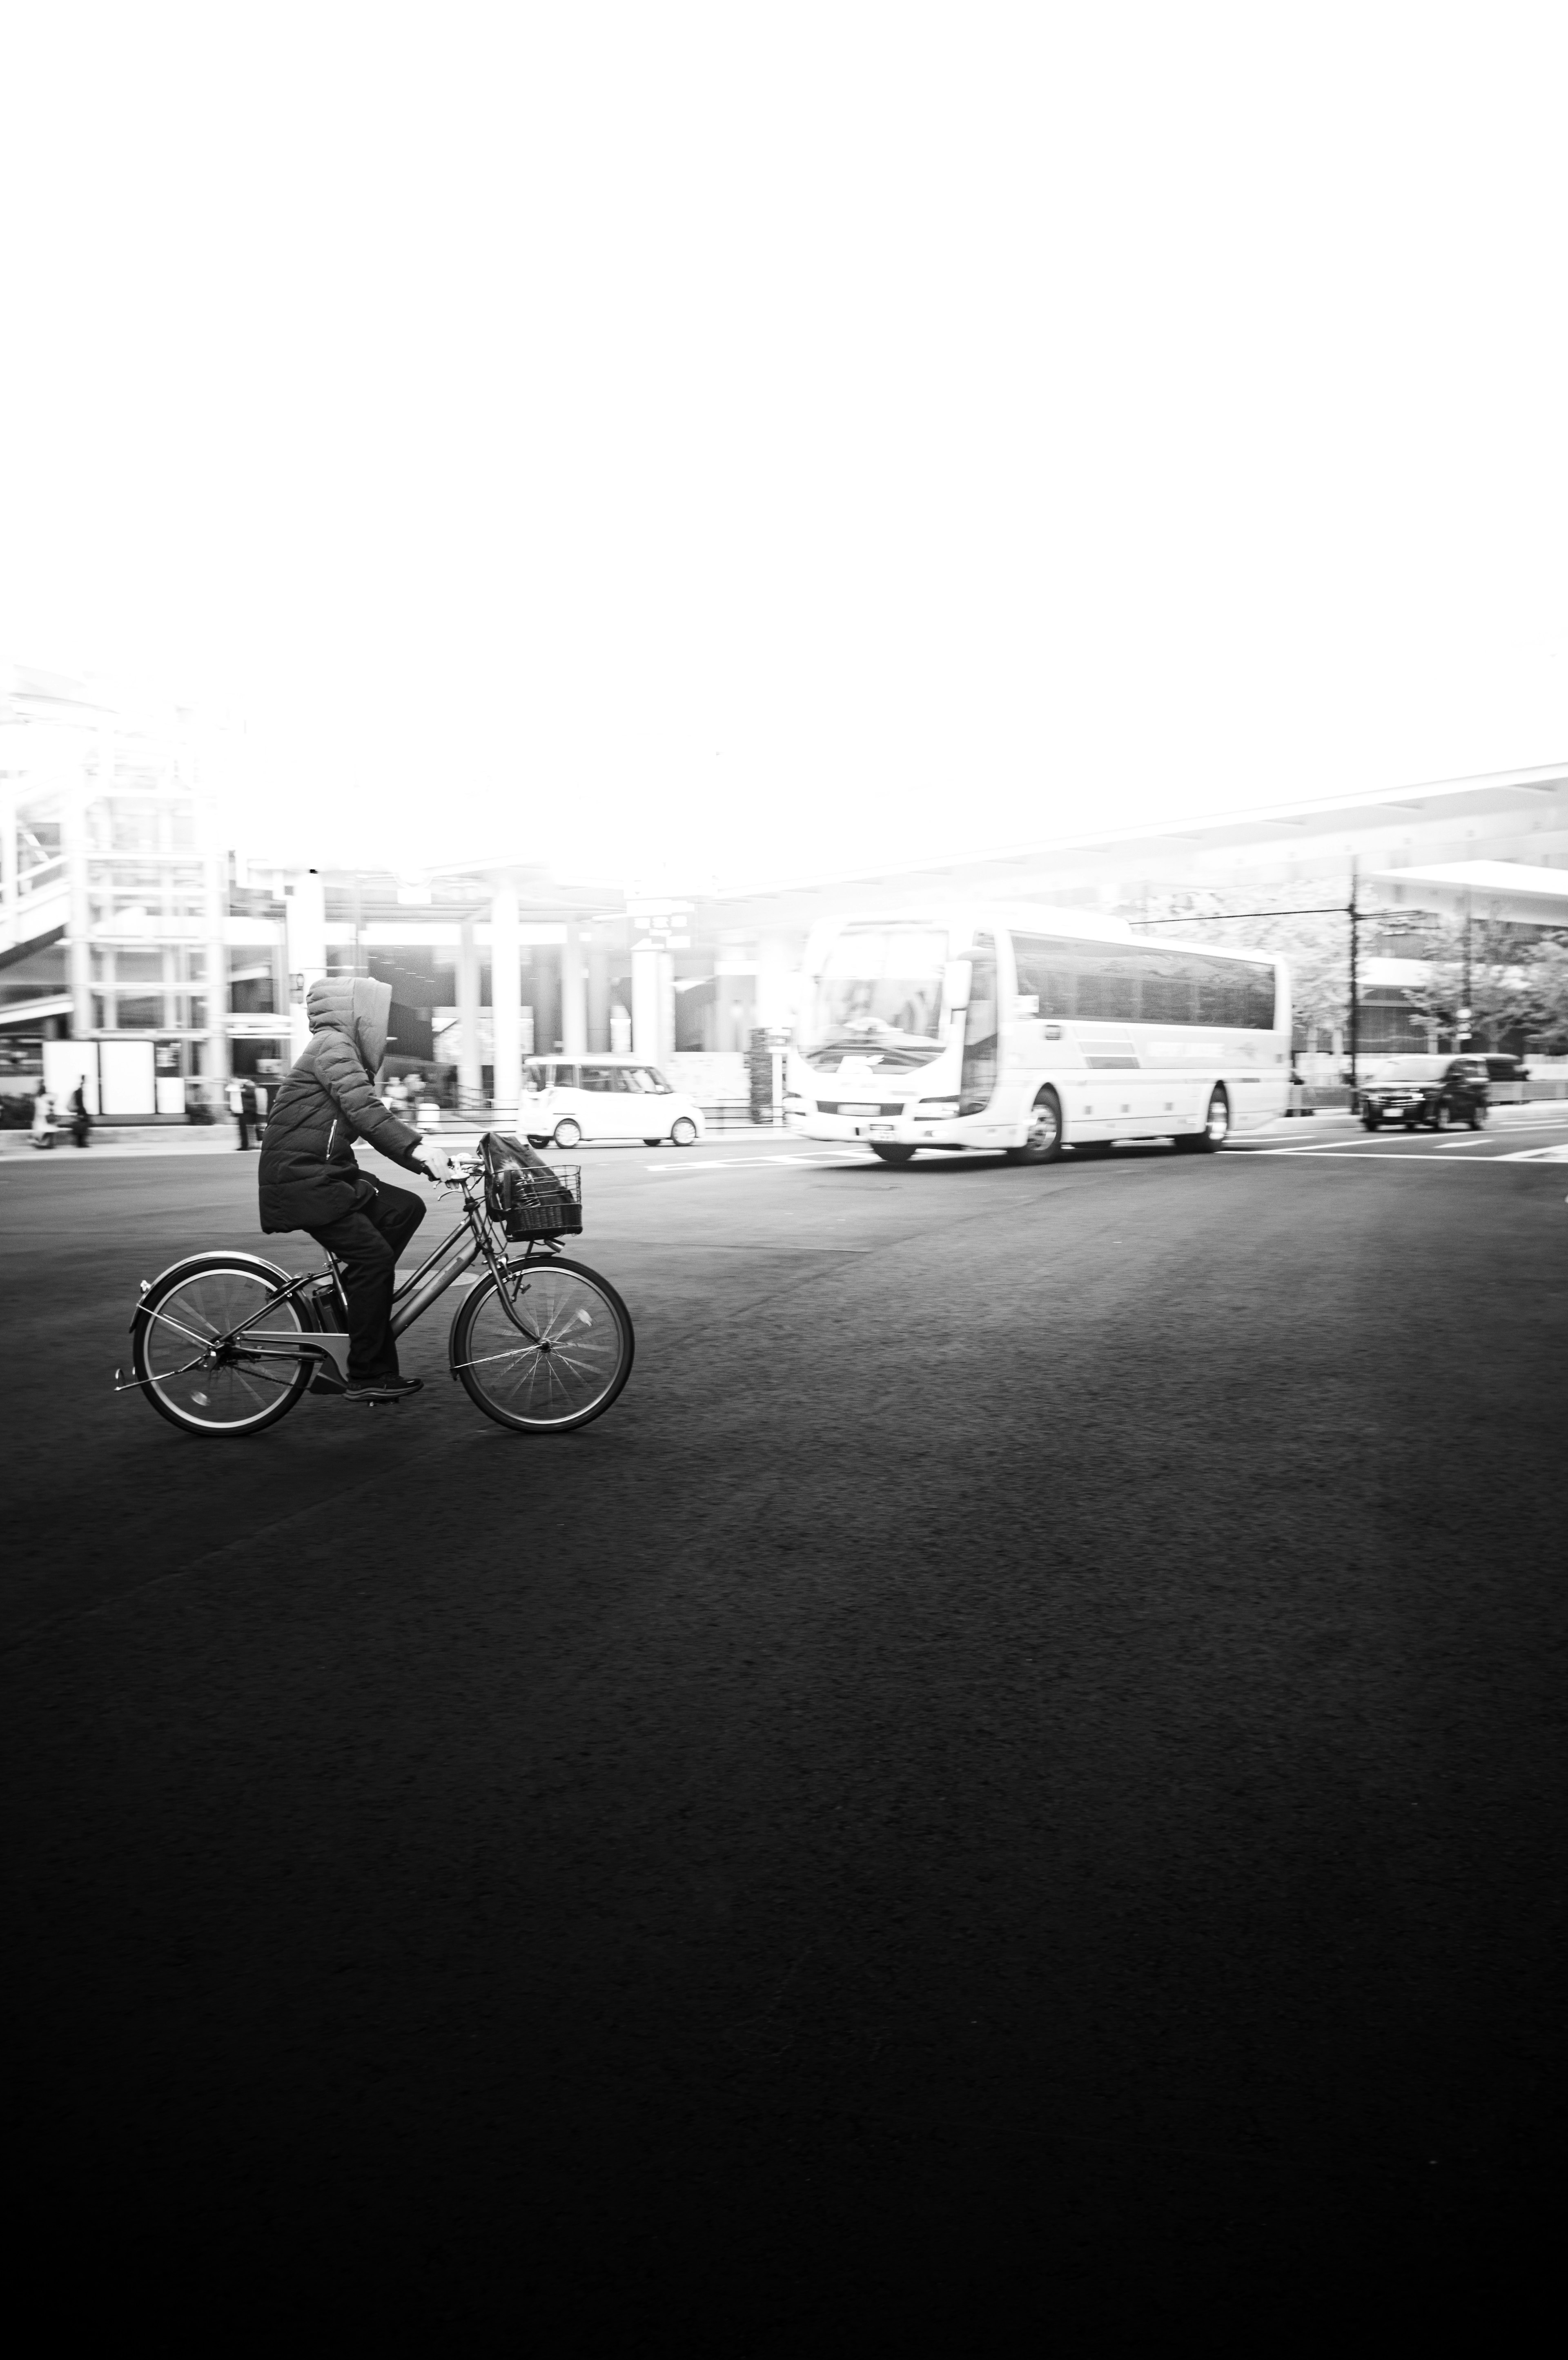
<point x="308" y="1174"/>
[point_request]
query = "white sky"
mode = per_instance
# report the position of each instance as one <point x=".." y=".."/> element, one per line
<point x="675" y="438"/>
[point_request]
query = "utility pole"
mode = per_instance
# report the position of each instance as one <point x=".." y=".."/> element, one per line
<point x="1462" y="1038"/>
<point x="1354" y="915"/>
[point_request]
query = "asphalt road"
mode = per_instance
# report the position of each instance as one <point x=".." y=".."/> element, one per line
<point x="1018" y="1774"/>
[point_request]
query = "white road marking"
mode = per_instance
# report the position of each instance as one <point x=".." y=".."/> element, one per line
<point x="1535" y="1155"/>
<point x="1422" y="1155"/>
<point x="1308" y="1147"/>
<point x="757" y="1162"/>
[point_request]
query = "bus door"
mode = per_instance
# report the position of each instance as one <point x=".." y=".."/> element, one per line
<point x="978" y="1074"/>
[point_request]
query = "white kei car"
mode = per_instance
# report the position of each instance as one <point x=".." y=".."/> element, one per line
<point x="614" y="1096"/>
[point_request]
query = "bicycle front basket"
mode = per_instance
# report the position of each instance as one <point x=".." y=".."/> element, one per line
<point x="529" y="1197"/>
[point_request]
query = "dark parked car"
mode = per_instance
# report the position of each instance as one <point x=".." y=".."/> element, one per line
<point x="1460" y="1092"/>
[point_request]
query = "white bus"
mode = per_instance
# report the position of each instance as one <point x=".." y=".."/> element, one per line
<point x="1032" y="1030"/>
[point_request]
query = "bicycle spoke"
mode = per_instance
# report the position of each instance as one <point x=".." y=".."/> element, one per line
<point x="577" y="1366"/>
<point x="189" y="1333"/>
<point x="484" y="1358"/>
<point x="227" y="1388"/>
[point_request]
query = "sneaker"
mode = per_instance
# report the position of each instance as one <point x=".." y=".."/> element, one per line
<point x="381" y="1389"/>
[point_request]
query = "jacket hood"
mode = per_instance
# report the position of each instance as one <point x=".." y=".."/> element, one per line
<point x="354" y="1004"/>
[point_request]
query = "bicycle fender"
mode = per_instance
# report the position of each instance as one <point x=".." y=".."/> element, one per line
<point x="189" y="1262"/>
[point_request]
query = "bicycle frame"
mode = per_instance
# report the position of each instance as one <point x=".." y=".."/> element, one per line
<point x="472" y="1240"/>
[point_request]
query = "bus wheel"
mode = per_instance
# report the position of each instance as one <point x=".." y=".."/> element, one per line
<point x="1043" y="1145"/>
<point x="1216" y="1129"/>
<point x="896" y="1154"/>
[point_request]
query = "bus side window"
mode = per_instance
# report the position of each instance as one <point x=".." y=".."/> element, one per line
<point x="1108" y="986"/>
<point x="1259" y="999"/>
<point x="1165" y="994"/>
<point x="1045" y="970"/>
<point x="1221" y="992"/>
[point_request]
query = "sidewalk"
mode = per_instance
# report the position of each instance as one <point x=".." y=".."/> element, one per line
<point x="128" y="1139"/>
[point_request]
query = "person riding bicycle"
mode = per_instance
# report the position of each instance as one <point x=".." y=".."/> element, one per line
<point x="309" y="1179"/>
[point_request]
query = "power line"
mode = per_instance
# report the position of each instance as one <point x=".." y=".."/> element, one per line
<point x="1207" y="917"/>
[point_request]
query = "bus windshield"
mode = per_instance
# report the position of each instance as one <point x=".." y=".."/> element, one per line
<point x="879" y="995"/>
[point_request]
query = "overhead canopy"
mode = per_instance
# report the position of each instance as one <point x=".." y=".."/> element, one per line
<point x="1509" y="890"/>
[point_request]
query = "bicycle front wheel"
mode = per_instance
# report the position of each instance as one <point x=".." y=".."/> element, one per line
<point x="557" y="1358"/>
<point x="188" y="1372"/>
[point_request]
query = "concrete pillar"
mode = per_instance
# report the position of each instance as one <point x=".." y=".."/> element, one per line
<point x="305" y="921"/>
<point x="470" y="1064"/>
<point x="506" y="997"/>
<point x="598" y="999"/>
<point x="215" y="966"/>
<point x="78" y="920"/>
<point x="666" y="1005"/>
<point x="574" y="994"/>
<point x="646" y="960"/>
<point x="542" y="985"/>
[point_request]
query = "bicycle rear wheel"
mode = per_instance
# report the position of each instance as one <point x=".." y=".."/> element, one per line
<point x="186" y="1372"/>
<point x="563" y="1365"/>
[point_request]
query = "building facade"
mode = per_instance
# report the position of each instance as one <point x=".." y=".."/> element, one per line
<point x="113" y="922"/>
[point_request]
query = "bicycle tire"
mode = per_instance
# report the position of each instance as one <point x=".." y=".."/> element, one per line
<point x="194" y="1400"/>
<point x="514" y="1382"/>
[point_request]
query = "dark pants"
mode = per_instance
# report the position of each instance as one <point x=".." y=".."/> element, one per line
<point x="243" y="1122"/>
<point x="367" y="1243"/>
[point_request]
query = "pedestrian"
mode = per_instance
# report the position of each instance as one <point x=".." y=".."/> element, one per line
<point x="44" y="1125"/>
<point x="81" y="1114"/>
<point x="396" y="1097"/>
<point x="242" y="1106"/>
<point x="309" y="1179"/>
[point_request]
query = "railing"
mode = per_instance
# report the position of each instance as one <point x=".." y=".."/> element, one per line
<point x="733" y="1114"/>
<point x="464" y="1106"/>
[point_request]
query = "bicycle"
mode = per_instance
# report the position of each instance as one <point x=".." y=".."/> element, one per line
<point x="227" y="1343"/>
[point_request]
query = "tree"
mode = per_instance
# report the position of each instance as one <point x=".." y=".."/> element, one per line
<point x="1481" y="964"/>
<point x="1547" y="989"/>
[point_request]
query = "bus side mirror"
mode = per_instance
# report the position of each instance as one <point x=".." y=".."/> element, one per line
<point x="956" y="981"/>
